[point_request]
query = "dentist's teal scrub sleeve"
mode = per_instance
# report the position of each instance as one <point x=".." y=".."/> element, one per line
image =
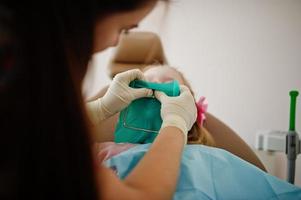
<point x="141" y="121"/>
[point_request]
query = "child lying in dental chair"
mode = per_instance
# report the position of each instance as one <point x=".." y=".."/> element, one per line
<point x="155" y="74"/>
<point x="224" y="137"/>
<point x="206" y="172"/>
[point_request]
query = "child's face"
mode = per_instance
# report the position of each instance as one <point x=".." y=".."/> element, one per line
<point x="162" y="74"/>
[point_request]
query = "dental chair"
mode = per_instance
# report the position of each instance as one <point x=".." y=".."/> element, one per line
<point x="136" y="50"/>
<point x="139" y="49"/>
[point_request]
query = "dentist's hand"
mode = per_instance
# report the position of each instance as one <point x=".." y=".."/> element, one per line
<point x="180" y="111"/>
<point x="118" y="96"/>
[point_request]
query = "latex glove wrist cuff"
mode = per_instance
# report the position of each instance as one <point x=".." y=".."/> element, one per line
<point x="98" y="111"/>
<point x="103" y="111"/>
<point x="178" y="122"/>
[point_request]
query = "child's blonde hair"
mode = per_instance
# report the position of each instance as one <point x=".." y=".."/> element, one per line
<point x="197" y="134"/>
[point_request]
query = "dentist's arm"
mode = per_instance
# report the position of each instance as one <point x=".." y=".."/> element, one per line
<point x="155" y="176"/>
<point x="104" y="131"/>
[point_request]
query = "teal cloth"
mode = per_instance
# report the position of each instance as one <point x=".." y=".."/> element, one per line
<point x="141" y="120"/>
<point x="212" y="173"/>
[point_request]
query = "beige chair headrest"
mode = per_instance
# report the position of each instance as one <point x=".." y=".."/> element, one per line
<point x="136" y="50"/>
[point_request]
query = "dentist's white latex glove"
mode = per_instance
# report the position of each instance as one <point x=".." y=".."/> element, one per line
<point x="118" y="96"/>
<point x="180" y="111"/>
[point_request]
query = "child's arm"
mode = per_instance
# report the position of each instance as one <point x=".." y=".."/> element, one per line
<point x="227" y="139"/>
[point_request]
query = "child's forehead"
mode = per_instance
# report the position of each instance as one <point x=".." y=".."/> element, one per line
<point x="159" y="69"/>
<point x="164" y="71"/>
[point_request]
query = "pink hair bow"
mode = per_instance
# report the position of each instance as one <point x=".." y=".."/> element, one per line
<point x="202" y="106"/>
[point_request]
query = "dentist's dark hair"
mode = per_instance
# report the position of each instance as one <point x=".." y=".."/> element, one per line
<point x="45" y="142"/>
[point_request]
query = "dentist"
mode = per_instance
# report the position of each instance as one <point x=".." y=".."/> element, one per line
<point x="46" y="145"/>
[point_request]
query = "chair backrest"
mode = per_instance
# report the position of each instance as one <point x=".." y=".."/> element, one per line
<point x="136" y="50"/>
